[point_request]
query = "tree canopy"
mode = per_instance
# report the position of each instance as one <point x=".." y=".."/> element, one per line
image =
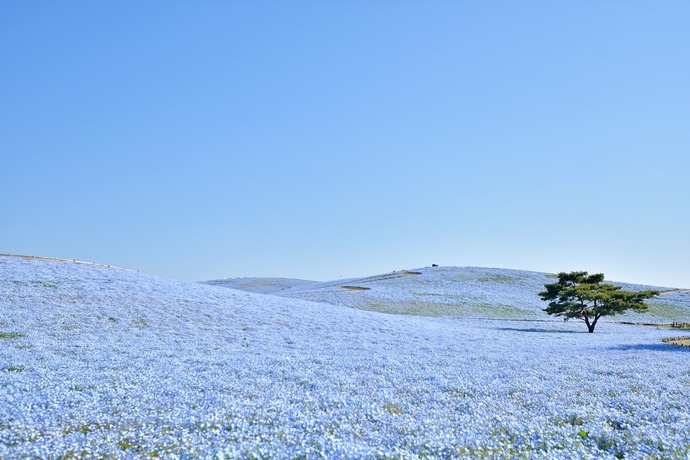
<point x="583" y="296"/>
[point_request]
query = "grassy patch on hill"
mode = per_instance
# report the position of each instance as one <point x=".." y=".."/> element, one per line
<point x="441" y="308"/>
<point x="667" y="309"/>
<point x="10" y="335"/>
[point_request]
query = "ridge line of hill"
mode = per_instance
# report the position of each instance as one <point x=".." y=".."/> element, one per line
<point x="72" y="261"/>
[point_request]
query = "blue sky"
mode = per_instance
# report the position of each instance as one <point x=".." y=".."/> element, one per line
<point x="315" y="140"/>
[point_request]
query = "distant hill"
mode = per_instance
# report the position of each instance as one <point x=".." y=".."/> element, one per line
<point x="475" y="292"/>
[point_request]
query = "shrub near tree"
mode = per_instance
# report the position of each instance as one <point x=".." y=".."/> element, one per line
<point x="584" y="297"/>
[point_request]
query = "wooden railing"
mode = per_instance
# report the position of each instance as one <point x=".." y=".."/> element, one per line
<point x="680" y="341"/>
<point x="73" y="261"/>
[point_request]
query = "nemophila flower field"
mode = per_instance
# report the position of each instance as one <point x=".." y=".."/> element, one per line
<point x="96" y="362"/>
<point x="471" y="292"/>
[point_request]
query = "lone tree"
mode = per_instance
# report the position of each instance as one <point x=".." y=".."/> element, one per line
<point x="582" y="296"/>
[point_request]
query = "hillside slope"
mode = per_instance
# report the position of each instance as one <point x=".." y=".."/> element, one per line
<point x="102" y="363"/>
<point x="260" y="285"/>
<point x="472" y="292"/>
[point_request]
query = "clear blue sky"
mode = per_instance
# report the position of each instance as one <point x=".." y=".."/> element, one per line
<point x="315" y="140"/>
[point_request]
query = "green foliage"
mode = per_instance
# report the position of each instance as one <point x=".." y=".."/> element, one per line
<point x="583" y="296"/>
<point x="394" y="408"/>
<point x="10" y="335"/>
<point x="14" y="368"/>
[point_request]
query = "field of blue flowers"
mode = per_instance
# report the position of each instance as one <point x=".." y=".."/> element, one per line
<point x="104" y="363"/>
<point x="470" y="292"/>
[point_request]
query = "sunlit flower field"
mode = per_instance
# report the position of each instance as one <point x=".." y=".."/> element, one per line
<point x="469" y="292"/>
<point x="98" y="362"/>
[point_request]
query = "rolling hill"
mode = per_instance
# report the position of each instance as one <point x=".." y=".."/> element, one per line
<point x="104" y="363"/>
<point x="472" y="292"/>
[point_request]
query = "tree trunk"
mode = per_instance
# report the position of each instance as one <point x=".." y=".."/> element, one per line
<point x="590" y="327"/>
